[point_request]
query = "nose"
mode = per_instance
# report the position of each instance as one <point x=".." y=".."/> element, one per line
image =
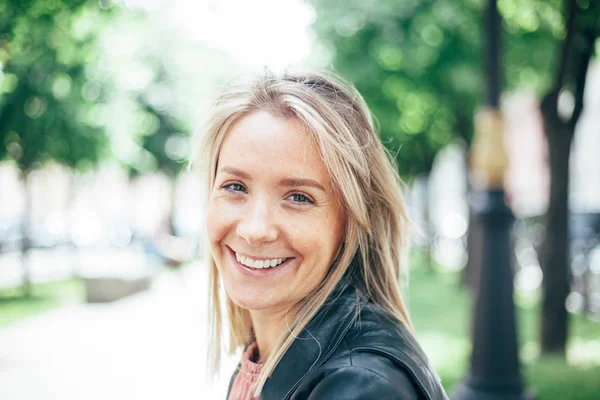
<point x="257" y="225"/>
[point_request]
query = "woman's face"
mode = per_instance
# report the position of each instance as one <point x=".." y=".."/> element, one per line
<point x="273" y="221"/>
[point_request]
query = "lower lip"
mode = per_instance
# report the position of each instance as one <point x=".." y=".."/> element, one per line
<point x="259" y="272"/>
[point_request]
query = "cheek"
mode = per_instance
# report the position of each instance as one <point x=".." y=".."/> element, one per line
<point x="331" y="236"/>
<point x="218" y="222"/>
<point x="317" y="242"/>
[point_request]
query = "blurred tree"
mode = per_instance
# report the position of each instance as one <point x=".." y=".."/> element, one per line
<point x="169" y="144"/>
<point x="46" y="111"/>
<point x="163" y="133"/>
<point x="549" y="46"/>
<point x="164" y="80"/>
<point x="47" y="108"/>
<point x="419" y="66"/>
<point x="152" y="125"/>
<point x="582" y="29"/>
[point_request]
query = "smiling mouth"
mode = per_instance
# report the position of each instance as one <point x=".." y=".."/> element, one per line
<point x="260" y="264"/>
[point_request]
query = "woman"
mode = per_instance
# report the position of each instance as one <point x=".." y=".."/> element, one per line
<point x="308" y="235"/>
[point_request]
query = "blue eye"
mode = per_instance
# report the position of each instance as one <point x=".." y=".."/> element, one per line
<point x="234" y="187"/>
<point x="300" y="198"/>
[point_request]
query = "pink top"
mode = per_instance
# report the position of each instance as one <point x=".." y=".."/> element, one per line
<point x="242" y="388"/>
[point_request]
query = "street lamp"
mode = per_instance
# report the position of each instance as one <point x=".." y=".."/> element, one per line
<point x="495" y="369"/>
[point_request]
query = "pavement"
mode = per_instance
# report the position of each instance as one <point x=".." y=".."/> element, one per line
<point x="53" y="264"/>
<point x="151" y="345"/>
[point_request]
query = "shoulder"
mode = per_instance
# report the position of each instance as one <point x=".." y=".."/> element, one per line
<point x="377" y="358"/>
<point x="356" y="377"/>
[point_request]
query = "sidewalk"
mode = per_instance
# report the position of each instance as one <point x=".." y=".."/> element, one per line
<point x="148" y="346"/>
<point x="54" y="264"/>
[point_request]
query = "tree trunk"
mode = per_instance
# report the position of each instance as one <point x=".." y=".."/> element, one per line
<point x="422" y="182"/>
<point x="555" y="249"/>
<point x="26" y="234"/>
<point x="582" y="24"/>
<point x="75" y="256"/>
<point x="172" y="204"/>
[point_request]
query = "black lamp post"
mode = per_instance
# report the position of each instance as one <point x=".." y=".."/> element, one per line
<point x="495" y="370"/>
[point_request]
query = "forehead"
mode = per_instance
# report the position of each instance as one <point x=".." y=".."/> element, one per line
<point x="264" y="144"/>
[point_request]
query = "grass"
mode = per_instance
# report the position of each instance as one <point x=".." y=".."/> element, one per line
<point x="441" y="312"/>
<point x="14" y="306"/>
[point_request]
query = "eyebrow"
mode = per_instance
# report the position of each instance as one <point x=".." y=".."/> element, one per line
<point x="234" y="171"/>
<point x="294" y="182"/>
<point x="288" y="182"/>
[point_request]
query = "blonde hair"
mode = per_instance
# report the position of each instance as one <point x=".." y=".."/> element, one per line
<point x="366" y="184"/>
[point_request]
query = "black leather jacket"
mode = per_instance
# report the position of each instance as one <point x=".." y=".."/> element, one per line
<point x="353" y="350"/>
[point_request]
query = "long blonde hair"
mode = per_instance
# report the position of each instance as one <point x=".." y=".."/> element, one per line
<point x="366" y="184"/>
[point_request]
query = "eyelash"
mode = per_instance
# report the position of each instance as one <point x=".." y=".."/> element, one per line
<point x="229" y="187"/>
<point x="306" y="200"/>
<point x="240" y="188"/>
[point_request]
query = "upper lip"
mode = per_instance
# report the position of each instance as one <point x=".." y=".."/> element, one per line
<point x="256" y="258"/>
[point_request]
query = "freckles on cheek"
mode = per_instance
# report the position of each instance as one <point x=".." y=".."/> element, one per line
<point x="215" y="223"/>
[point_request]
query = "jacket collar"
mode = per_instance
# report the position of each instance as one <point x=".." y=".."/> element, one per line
<point x="318" y="340"/>
<point x="323" y="334"/>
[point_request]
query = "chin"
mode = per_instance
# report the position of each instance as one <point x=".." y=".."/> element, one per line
<point x="249" y="300"/>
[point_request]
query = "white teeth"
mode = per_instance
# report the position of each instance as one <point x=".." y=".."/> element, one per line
<point x="259" y="263"/>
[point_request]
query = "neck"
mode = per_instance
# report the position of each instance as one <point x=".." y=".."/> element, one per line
<point x="269" y="326"/>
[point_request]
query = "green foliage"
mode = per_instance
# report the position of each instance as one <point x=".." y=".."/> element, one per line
<point x="169" y="144"/>
<point x="165" y="135"/>
<point x="46" y="112"/>
<point x="149" y="64"/>
<point x="533" y="31"/>
<point x="417" y="65"/>
<point x="68" y="93"/>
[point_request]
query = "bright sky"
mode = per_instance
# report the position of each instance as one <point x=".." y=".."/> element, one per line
<point x="257" y="33"/>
